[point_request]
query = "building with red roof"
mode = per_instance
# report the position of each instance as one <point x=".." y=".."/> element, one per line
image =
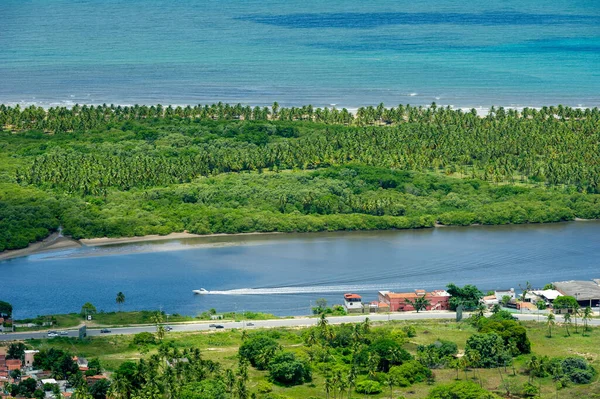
<point x="400" y="301"/>
<point x="353" y="303"/>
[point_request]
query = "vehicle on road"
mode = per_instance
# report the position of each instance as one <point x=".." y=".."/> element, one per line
<point x="104" y="331"/>
<point x="52" y="334"/>
<point x="219" y="326"/>
<point x="63" y="333"/>
<point x="250" y="324"/>
<point x="212" y="325"/>
<point x="168" y="328"/>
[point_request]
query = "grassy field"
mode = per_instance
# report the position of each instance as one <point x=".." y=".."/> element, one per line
<point x="120" y="319"/>
<point x="223" y="346"/>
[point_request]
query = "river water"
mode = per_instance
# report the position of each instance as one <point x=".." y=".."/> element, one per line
<point x="284" y="273"/>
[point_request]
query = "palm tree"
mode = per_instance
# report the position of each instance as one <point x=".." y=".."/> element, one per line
<point x="587" y="315"/>
<point x="120" y="299"/>
<point x="550" y="322"/>
<point x="419" y="303"/>
<point x="567" y="319"/>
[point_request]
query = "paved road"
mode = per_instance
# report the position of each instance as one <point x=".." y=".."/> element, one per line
<point x="297" y="322"/>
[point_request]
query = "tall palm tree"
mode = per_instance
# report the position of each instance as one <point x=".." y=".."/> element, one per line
<point x="550" y="321"/>
<point x="567" y="320"/>
<point x="120" y="299"/>
<point x="586" y="315"/>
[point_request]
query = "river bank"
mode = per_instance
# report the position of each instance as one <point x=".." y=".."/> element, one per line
<point x="56" y="242"/>
<point x="53" y="242"/>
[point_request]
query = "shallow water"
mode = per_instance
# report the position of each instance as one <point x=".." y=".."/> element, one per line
<point x="351" y="53"/>
<point x="287" y="272"/>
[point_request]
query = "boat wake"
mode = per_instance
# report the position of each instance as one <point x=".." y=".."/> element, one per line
<point x="300" y="290"/>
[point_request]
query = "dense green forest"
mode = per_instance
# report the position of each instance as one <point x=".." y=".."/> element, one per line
<point x="123" y="171"/>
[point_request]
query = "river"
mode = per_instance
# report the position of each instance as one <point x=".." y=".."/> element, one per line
<point x="284" y="274"/>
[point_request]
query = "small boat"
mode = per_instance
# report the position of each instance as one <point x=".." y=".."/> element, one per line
<point x="201" y="291"/>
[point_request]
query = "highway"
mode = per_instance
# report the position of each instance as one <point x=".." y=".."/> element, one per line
<point x="254" y="324"/>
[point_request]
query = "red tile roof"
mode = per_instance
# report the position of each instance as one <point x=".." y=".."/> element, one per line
<point x="13" y="364"/>
<point x="352" y="296"/>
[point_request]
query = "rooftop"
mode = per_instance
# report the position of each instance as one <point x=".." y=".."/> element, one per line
<point x="581" y="290"/>
<point x="352" y="296"/>
<point x="548" y="294"/>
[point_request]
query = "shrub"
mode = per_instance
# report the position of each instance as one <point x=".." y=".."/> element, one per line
<point x="410" y="331"/>
<point x="490" y="349"/>
<point x="259" y="351"/>
<point x="460" y="390"/>
<point x="264" y="387"/>
<point x="144" y="338"/>
<point x="287" y="370"/>
<point x="578" y="370"/>
<point x="368" y="387"/>
<point x="411" y="371"/>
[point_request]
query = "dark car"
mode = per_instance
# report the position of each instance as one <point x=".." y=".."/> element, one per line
<point x="219" y="326"/>
<point x="250" y="324"/>
<point x="104" y="331"/>
<point x="212" y="325"/>
<point x="168" y="328"/>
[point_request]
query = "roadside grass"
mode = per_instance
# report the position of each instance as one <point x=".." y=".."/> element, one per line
<point x="117" y="319"/>
<point x="222" y="346"/>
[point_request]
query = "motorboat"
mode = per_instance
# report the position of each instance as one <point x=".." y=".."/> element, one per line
<point x="201" y="291"/>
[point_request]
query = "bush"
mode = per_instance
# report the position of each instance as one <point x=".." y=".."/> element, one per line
<point x="411" y="371"/>
<point x="578" y="370"/>
<point x="259" y="351"/>
<point x="264" y="387"/>
<point x="489" y="348"/>
<point x="144" y="338"/>
<point x="460" y="390"/>
<point x="287" y="370"/>
<point x="410" y="331"/>
<point x="368" y="387"/>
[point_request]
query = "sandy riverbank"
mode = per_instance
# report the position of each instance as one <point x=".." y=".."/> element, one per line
<point x="53" y="242"/>
<point x="97" y="242"/>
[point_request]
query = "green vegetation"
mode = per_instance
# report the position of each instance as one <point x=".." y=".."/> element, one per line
<point x="443" y="359"/>
<point x="124" y="171"/>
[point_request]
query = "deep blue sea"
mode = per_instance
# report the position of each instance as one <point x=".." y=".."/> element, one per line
<point x="349" y="53"/>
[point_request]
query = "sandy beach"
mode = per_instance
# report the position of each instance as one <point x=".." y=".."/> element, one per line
<point x="53" y="242"/>
<point x="97" y="242"/>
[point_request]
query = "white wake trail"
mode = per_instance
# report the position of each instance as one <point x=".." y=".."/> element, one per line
<point x="300" y="290"/>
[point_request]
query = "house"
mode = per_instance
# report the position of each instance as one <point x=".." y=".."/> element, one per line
<point x="490" y="300"/>
<point x="13" y="364"/>
<point x="547" y="296"/>
<point x="499" y="294"/>
<point x="587" y="293"/>
<point x="378" y="307"/>
<point x="353" y="303"/>
<point x="397" y="301"/>
<point x="29" y="358"/>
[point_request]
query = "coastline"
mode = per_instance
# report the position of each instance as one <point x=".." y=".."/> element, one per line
<point x="56" y="242"/>
<point x="98" y="242"/>
<point x="53" y="242"/>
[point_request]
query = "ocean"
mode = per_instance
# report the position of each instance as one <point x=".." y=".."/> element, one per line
<point x="351" y="53"/>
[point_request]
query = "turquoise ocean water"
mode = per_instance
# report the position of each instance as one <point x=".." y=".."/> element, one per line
<point x="350" y="53"/>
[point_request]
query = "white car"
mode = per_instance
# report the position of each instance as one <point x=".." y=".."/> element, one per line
<point x="63" y="333"/>
<point x="52" y="335"/>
